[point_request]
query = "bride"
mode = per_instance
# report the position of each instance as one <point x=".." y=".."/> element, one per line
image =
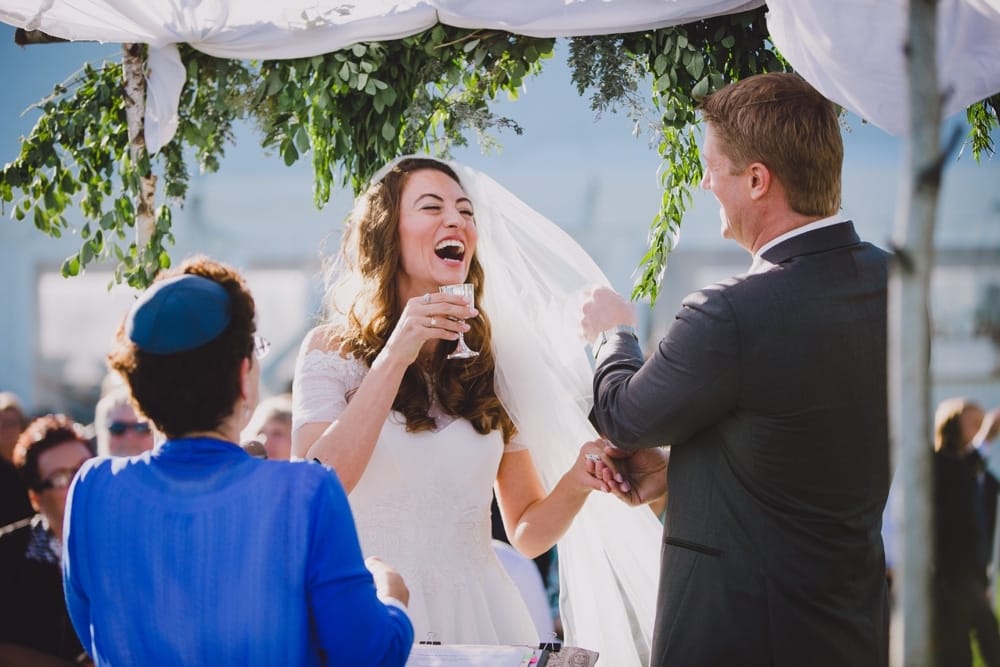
<point x="419" y="440"/>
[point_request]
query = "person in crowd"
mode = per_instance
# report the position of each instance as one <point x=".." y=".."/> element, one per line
<point x="271" y="426"/>
<point x="34" y="625"/>
<point x="965" y="499"/>
<point x="119" y="431"/>
<point x="14" y="502"/>
<point x="198" y="553"/>
<point x="419" y="439"/>
<point x="770" y="390"/>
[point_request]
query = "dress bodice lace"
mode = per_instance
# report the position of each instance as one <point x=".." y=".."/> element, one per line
<point x="423" y="506"/>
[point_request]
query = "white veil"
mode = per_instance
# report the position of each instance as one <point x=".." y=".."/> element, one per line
<point x="535" y="276"/>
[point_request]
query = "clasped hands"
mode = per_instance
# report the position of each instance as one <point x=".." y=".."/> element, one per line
<point x="636" y="477"/>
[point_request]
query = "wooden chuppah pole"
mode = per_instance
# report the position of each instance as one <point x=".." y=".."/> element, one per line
<point x="909" y="341"/>
<point x="134" y="67"/>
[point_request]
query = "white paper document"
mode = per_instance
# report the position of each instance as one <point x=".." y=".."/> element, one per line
<point x="424" y="655"/>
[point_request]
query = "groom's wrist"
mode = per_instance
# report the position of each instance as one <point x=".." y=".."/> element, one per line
<point x="611" y="332"/>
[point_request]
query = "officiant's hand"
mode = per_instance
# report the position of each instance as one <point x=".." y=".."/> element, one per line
<point x="388" y="582"/>
<point x="641" y="475"/>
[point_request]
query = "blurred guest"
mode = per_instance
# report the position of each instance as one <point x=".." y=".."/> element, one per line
<point x="119" y="431"/>
<point x="33" y="614"/>
<point x="12" y="422"/>
<point x="14" y="503"/>
<point x="271" y="425"/>
<point x="198" y="553"/>
<point x="965" y="497"/>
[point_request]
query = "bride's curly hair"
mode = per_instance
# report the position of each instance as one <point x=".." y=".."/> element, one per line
<point x="371" y="250"/>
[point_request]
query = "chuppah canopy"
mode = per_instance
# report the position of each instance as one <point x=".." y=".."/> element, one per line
<point x="851" y="50"/>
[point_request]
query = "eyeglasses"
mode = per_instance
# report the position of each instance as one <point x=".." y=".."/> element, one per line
<point x="60" y="479"/>
<point x="119" y="428"/>
<point x="261" y="346"/>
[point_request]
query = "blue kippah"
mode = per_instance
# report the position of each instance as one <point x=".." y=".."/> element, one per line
<point x="178" y="314"/>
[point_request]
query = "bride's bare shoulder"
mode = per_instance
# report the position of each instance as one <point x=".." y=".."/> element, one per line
<point x="324" y="338"/>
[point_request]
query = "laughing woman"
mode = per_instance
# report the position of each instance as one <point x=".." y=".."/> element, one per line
<point x="419" y="439"/>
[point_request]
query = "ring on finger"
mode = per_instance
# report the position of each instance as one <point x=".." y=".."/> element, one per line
<point x="427" y="298"/>
<point x="434" y="322"/>
<point x="592" y="457"/>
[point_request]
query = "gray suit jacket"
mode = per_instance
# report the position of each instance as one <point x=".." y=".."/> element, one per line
<point x="771" y="390"/>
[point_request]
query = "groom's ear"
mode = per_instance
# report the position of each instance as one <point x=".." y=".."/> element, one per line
<point x="760" y="180"/>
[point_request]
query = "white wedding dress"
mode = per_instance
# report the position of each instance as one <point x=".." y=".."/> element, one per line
<point x="423" y="506"/>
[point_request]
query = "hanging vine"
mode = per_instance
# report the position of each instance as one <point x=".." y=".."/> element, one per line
<point x="681" y="65"/>
<point x="352" y="110"/>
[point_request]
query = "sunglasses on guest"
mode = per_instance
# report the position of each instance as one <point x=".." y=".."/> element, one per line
<point x="119" y="428"/>
<point x="60" y="479"/>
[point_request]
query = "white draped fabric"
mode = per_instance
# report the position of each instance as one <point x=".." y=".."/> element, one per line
<point x="851" y="50"/>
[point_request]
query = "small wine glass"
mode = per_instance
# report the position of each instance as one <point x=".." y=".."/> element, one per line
<point x="467" y="290"/>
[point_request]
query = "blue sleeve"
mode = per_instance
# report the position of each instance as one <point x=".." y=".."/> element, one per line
<point x="77" y="602"/>
<point x="353" y="626"/>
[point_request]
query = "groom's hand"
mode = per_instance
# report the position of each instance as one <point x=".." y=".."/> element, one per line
<point x="641" y="476"/>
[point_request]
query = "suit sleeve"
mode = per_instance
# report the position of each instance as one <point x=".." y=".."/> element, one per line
<point x="354" y="627"/>
<point x="686" y="385"/>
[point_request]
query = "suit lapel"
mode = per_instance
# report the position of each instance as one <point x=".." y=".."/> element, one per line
<point x="826" y="238"/>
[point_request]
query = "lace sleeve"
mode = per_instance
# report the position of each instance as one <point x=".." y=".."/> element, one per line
<point x="321" y="384"/>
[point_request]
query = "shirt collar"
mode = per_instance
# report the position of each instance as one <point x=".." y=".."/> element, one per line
<point x="759" y="264"/>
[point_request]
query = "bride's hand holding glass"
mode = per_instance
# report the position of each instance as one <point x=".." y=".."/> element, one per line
<point x="428" y="316"/>
<point x="468" y="292"/>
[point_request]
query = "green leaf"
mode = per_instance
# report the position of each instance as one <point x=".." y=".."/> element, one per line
<point x="388" y="131"/>
<point x="660" y="64"/>
<point x="274" y="83"/>
<point x="302" y="139"/>
<point x="86" y="254"/>
<point x="288" y="153"/>
<point x="71" y="267"/>
<point x="696" y="66"/>
<point x="700" y="89"/>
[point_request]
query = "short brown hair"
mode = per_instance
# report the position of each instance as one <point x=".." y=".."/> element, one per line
<point x="193" y="390"/>
<point x="41" y="435"/>
<point x="781" y="121"/>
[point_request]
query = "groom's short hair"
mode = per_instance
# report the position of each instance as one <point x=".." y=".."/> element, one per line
<point x="781" y="121"/>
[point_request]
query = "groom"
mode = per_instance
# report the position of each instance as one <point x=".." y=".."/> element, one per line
<point x="770" y="388"/>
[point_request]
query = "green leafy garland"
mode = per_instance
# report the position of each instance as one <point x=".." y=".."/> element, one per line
<point x="353" y="110"/>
